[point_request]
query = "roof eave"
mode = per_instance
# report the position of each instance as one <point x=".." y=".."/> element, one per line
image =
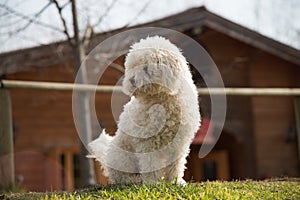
<point x="251" y="37"/>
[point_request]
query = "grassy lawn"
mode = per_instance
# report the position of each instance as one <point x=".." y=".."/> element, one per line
<point x="273" y="189"/>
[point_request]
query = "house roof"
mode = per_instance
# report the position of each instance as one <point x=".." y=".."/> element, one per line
<point x="197" y="17"/>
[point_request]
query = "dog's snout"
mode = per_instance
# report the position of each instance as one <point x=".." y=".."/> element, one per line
<point x="132" y="81"/>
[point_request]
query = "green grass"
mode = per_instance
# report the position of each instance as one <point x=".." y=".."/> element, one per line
<point x="286" y="189"/>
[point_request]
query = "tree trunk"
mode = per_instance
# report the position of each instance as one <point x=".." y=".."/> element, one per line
<point x="7" y="176"/>
<point x="83" y="107"/>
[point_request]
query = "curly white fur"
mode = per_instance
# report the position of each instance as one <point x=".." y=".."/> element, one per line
<point x="157" y="126"/>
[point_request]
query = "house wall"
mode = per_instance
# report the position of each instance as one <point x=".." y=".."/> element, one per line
<point x="259" y="125"/>
<point x="42" y="123"/>
<point x="273" y="117"/>
<point x="44" y="126"/>
<point x="36" y="171"/>
<point x="232" y="58"/>
<point x="43" y="119"/>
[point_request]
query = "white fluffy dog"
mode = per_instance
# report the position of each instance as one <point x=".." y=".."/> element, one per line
<point x="157" y="126"/>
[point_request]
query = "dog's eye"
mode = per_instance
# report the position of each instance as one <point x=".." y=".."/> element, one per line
<point x="132" y="81"/>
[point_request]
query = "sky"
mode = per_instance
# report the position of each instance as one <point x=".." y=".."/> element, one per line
<point x="277" y="19"/>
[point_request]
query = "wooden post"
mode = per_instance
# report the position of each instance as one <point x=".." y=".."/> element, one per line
<point x="297" y="113"/>
<point x="7" y="176"/>
<point x="69" y="169"/>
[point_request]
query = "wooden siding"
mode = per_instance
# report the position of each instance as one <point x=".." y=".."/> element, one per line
<point x="37" y="172"/>
<point x="43" y="122"/>
<point x="273" y="117"/>
<point x="233" y="59"/>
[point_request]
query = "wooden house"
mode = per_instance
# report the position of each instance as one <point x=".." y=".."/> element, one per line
<point x="258" y="140"/>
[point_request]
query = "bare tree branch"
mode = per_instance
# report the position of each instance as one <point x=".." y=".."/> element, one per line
<point x="66" y="32"/>
<point x="5" y="13"/>
<point x="63" y="6"/>
<point x="89" y="31"/>
<point x="29" y="19"/>
<point x="108" y="9"/>
<point x="30" y="39"/>
<point x="138" y="14"/>
<point x="11" y="23"/>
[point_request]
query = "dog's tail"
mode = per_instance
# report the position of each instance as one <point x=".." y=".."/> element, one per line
<point x="99" y="147"/>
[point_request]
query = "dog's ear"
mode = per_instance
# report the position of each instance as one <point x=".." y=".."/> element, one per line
<point x="153" y="60"/>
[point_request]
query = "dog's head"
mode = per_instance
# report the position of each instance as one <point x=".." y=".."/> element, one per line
<point x="153" y="65"/>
